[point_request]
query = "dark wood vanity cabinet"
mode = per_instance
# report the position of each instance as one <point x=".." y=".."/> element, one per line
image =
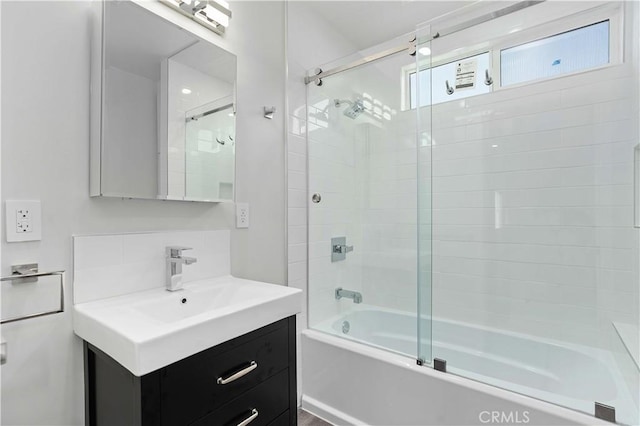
<point x="201" y="390"/>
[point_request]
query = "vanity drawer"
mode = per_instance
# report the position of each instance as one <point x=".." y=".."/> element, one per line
<point x="283" y="420"/>
<point x="265" y="402"/>
<point x="195" y="386"/>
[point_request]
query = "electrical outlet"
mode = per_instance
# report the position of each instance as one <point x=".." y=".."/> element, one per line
<point x="23" y="220"/>
<point x="242" y="215"/>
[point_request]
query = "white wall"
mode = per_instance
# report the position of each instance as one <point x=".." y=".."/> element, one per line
<point x="45" y="155"/>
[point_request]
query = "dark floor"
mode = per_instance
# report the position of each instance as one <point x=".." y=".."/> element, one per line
<point x="308" y="419"/>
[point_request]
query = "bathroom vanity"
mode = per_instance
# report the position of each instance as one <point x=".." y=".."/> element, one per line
<point x="249" y="379"/>
<point x="217" y="350"/>
<point x="220" y="351"/>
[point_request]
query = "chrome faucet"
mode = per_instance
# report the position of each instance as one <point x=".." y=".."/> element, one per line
<point x="355" y="295"/>
<point x="175" y="260"/>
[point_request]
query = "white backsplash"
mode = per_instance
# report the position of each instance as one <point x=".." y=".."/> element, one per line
<point x="113" y="265"/>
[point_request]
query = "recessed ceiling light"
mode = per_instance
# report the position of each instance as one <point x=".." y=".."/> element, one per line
<point x="186" y="91"/>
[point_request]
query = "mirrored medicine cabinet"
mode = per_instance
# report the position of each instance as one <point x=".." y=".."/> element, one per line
<point x="162" y="109"/>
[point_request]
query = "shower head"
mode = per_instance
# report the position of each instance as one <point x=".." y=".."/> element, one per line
<point x="355" y="108"/>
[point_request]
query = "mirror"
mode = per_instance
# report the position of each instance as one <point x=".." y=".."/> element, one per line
<point x="163" y="109"/>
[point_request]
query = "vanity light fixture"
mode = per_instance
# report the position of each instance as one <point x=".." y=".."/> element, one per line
<point x="213" y="14"/>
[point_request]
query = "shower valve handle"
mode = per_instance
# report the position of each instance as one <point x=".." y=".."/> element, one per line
<point x="339" y="248"/>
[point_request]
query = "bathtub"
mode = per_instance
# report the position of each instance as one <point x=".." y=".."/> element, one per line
<point x="348" y="378"/>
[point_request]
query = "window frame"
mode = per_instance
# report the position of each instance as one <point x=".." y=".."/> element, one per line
<point x="612" y="13"/>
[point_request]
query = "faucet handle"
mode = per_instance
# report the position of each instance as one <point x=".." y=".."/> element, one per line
<point x="173" y="251"/>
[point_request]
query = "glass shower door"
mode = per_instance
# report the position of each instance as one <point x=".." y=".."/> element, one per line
<point x="535" y="257"/>
<point x="420" y="94"/>
<point x="362" y="202"/>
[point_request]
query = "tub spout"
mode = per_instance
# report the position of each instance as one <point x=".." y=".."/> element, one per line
<point x="355" y="295"/>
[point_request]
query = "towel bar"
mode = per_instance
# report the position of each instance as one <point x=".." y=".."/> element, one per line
<point x="29" y="277"/>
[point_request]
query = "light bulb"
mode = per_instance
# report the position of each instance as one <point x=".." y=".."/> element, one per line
<point x="216" y="15"/>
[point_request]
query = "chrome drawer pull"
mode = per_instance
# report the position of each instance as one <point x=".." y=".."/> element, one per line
<point x="252" y="417"/>
<point x="235" y="376"/>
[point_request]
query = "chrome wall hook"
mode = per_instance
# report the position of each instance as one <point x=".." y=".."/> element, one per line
<point x="450" y="89"/>
<point x="412" y="49"/>
<point x="25" y="269"/>
<point x="269" y="111"/>
<point x="487" y="78"/>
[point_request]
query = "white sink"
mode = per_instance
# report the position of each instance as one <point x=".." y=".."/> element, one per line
<point x="148" y="330"/>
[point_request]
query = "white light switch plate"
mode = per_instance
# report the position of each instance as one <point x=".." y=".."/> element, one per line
<point x="23" y="220"/>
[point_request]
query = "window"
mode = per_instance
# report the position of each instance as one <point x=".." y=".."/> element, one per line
<point x="591" y="43"/>
<point x="464" y="77"/>
<point x="572" y="51"/>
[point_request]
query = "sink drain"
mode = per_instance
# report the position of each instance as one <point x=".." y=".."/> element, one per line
<point x="184" y="300"/>
<point x="346" y="327"/>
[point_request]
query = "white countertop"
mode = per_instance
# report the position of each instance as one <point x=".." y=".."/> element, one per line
<point x="148" y="330"/>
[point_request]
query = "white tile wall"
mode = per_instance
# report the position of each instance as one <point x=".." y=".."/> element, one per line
<point x="532" y="196"/>
<point x="387" y="203"/>
<point x="112" y="265"/>
<point x="366" y="171"/>
<point x="331" y="172"/>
